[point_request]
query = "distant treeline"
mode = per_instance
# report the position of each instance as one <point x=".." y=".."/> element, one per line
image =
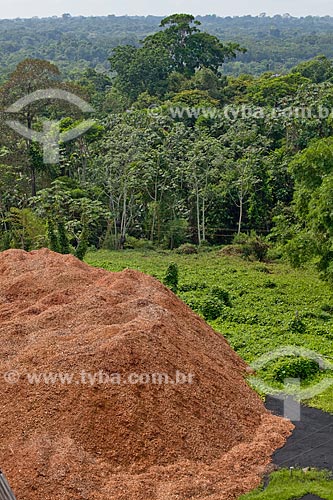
<point x="274" y="43"/>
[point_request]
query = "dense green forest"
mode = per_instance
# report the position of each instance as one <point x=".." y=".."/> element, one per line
<point x="179" y="153"/>
<point x="274" y="43"/>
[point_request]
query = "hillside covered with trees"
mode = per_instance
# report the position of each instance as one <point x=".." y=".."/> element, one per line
<point x="273" y="43"/>
<point x="179" y="152"/>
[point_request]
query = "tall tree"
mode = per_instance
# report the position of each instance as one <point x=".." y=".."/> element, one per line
<point x="29" y="76"/>
<point x="180" y="47"/>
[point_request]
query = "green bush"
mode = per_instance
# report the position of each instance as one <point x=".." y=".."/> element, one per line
<point x="134" y="243"/>
<point x="296" y="325"/>
<point x="212" y="308"/>
<point x="301" y="368"/>
<point x="63" y="239"/>
<point x="175" y="233"/>
<point x="220" y="294"/>
<point x="328" y="308"/>
<point x="261" y="268"/>
<point x="187" y="249"/>
<point x="253" y="246"/>
<point x="231" y="251"/>
<point x="52" y="237"/>
<point x="270" y="284"/>
<point x="190" y="287"/>
<point x="83" y="245"/>
<point x="171" y="277"/>
<point x="5" y="241"/>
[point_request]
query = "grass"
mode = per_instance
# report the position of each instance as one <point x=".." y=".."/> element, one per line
<point x="286" y="486"/>
<point x="268" y="301"/>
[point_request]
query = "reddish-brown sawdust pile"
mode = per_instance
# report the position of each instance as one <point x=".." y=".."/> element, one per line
<point x="211" y="439"/>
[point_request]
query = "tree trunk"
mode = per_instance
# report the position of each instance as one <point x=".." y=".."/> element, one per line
<point x="123" y="221"/>
<point x="198" y="215"/>
<point x="203" y="220"/>
<point x="32" y="166"/>
<point x="33" y="180"/>
<point x="240" y="215"/>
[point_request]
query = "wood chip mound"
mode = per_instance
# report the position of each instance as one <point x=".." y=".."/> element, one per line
<point x="89" y="438"/>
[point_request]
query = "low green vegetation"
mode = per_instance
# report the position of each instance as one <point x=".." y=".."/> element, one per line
<point x="258" y="307"/>
<point x="293" y="485"/>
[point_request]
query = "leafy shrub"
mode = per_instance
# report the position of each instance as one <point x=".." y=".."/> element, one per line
<point x="205" y="246"/>
<point x="301" y="368"/>
<point x="5" y="241"/>
<point x="212" y="308"/>
<point x="187" y="249"/>
<point x="274" y="253"/>
<point x="63" y="239"/>
<point x="231" y="251"/>
<point x="270" y="284"/>
<point x="296" y="325"/>
<point x="52" y="237"/>
<point x="175" y="233"/>
<point x="190" y="287"/>
<point x="261" y="268"/>
<point x="26" y="230"/>
<point x="253" y="246"/>
<point x="134" y="243"/>
<point x="171" y="277"/>
<point x="193" y="303"/>
<point x="221" y="294"/>
<point x="83" y="245"/>
<point x="328" y="308"/>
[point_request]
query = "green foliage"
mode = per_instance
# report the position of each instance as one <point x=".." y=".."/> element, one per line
<point x="189" y="287"/>
<point x="318" y="70"/>
<point x="187" y="249"/>
<point x="174" y="158"/>
<point x="24" y="230"/>
<point x="287" y="485"/>
<point x="253" y="246"/>
<point x="211" y="308"/>
<point x="63" y="238"/>
<point x="77" y="43"/>
<point x="171" y="277"/>
<point x="297" y="325"/>
<point x="270" y="88"/>
<point x="213" y="304"/>
<point x="300" y="368"/>
<point x="313" y="207"/>
<point x="72" y="216"/>
<point x="135" y="243"/>
<point x="220" y="294"/>
<point x="83" y="245"/>
<point x="53" y="242"/>
<point x="180" y="48"/>
<point x="176" y="232"/>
